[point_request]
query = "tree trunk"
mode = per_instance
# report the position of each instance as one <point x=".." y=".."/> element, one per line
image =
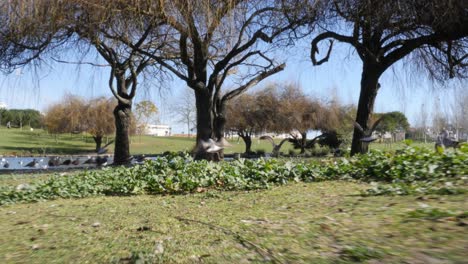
<point x="219" y="124"/>
<point x="248" y="143"/>
<point x="98" y="141"/>
<point x="122" y="114"/>
<point x="204" y="122"/>
<point x="303" y="142"/>
<point x="369" y="87"/>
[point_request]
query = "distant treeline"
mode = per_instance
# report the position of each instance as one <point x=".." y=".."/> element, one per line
<point x="21" y="117"/>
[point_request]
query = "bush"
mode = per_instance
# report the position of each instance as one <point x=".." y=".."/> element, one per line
<point x="412" y="171"/>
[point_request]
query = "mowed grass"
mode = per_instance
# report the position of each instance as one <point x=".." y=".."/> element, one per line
<point x="38" y="142"/>
<point x="298" y="223"/>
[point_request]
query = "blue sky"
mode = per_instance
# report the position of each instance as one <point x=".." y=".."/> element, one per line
<point x="400" y="91"/>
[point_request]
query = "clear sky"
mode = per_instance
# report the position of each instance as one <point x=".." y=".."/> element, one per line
<point x="400" y="91"/>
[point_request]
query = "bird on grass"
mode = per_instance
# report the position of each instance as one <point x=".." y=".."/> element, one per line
<point x="444" y="140"/>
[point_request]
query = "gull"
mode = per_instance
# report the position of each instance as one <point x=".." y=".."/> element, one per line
<point x="102" y="151"/>
<point x="276" y="147"/>
<point x="212" y="146"/>
<point x="367" y="134"/>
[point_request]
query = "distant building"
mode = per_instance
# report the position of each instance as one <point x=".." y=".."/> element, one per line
<point x="158" y="130"/>
<point x="3" y="105"/>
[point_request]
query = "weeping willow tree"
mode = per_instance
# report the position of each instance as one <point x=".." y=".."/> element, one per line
<point x="34" y="31"/>
<point x="430" y="33"/>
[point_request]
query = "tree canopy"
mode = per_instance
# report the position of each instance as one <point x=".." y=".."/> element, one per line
<point x="434" y="33"/>
<point x="75" y="115"/>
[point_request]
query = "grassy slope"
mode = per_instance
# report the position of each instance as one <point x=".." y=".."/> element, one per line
<point x="300" y="223"/>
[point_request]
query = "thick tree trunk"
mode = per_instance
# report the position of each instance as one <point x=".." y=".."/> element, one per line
<point x="248" y="143"/>
<point x="204" y="122"/>
<point x="303" y="142"/>
<point x="219" y="124"/>
<point x="369" y="87"/>
<point x="122" y="114"/>
<point x="98" y="141"/>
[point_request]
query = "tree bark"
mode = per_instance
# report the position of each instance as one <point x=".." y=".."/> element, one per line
<point x="248" y="143"/>
<point x="98" y="141"/>
<point x="203" y="103"/>
<point x="122" y="114"/>
<point x="219" y="125"/>
<point x="369" y="87"/>
<point x="303" y="142"/>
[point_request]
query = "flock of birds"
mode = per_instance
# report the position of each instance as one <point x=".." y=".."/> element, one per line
<point x="57" y="161"/>
<point x="210" y="146"/>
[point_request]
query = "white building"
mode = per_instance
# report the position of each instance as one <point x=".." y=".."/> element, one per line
<point x="158" y="130"/>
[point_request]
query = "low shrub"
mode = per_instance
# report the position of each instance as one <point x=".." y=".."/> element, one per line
<point x="411" y="171"/>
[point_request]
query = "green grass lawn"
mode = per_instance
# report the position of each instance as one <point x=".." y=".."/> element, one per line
<point x="37" y="142"/>
<point x="25" y="142"/>
<point x="298" y="223"/>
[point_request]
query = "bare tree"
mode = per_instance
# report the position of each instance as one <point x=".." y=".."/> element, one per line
<point x="385" y="32"/>
<point x="243" y="115"/>
<point x="87" y="26"/>
<point x="145" y="111"/>
<point x="184" y="110"/>
<point x="300" y="113"/>
<point x="217" y="40"/>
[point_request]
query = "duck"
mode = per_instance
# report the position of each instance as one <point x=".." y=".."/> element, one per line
<point x="54" y="161"/>
<point x="141" y="158"/>
<point x="6" y="164"/>
<point x="90" y="160"/>
<point x="101" y="161"/>
<point x="32" y="164"/>
<point x="76" y="161"/>
<point x="67" y="162"/>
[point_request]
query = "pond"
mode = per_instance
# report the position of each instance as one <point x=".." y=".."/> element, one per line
<point x="53" y="162"/>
